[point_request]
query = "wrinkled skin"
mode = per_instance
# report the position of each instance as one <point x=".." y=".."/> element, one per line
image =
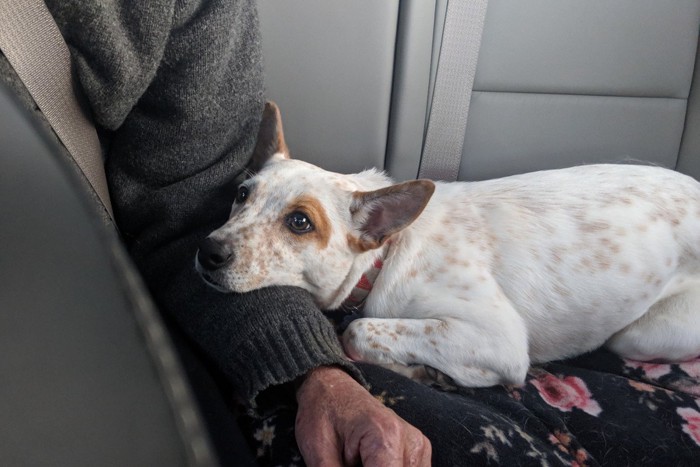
<point x="340" y="423"/>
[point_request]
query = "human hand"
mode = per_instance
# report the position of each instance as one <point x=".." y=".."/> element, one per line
<point x="340" y="423"/>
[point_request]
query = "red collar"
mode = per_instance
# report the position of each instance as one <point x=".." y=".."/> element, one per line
<point x="359" y="294"/>
<point x="355" y="302"/>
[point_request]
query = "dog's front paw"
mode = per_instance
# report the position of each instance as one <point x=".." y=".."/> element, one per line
<point x="363" y="342"/>
<point x="348" y="341"/>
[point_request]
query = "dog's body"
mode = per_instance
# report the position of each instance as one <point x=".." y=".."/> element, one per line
<point x="478" y="279"/>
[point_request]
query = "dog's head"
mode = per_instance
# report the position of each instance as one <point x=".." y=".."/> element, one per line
<point x="293" y="223"/>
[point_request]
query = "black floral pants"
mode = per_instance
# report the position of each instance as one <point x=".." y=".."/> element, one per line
<point x="597" y="409"/>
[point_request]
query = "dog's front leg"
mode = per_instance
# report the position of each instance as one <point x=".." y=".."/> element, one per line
<point x="476" y="349"/>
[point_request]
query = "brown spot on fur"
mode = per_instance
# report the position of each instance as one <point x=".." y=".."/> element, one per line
<point x="561" y="291"/>
<point x="428" y="330"/>
<point x="433" y="342"/>
<point x="612" y="246"/>
<point x="625" y="268"/>
<point x="311" y="207"/>
<point x="635" y="192"/>
<point x="360" y="245"/>
<point x="441" y="240"/>
<point x="602" y="259"/>
<point x="579" y="215"/>
<point x="411" y="355"/>
<point x="557" y="254"/>
<point x="377" y="346"/>
<point x="595" y="226"/>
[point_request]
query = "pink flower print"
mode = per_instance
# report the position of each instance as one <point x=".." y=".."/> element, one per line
<point x="651" y="370"/>
<point x="692" y="422"/>
<point x="566" y="393"/>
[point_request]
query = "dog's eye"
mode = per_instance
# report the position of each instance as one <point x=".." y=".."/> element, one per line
<point x="299" y="222"/>
<point x="242" y="194"/>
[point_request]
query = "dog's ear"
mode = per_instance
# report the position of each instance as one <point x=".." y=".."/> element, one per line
<point x="270" y="139"/>
<point x="381" y="213"/>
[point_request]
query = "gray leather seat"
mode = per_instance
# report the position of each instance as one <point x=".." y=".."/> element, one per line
<point x="561" y="83"/>
<point x="89" y="377"/>
<point x="558" y="83"/>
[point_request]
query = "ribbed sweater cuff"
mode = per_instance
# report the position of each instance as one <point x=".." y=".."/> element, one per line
<point x="276" y="354"/>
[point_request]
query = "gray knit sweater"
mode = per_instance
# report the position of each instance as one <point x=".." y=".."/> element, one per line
<point x="175" y="87"/>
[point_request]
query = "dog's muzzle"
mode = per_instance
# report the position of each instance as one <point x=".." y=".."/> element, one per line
<point x="210" y="258"/>
<point x="213" y="255"/>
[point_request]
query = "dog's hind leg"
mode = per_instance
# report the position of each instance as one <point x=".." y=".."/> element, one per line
<point x="669" y="331"/>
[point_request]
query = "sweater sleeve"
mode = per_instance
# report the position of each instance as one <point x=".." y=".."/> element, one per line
<point x="182" y="121"/>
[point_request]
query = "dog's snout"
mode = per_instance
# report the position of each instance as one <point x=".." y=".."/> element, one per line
<point x="213" y="255"/>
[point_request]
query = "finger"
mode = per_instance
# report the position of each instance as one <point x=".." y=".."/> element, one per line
<point x="375" y="439"/>
<point x="427" y="459"/>
<point x="377" y="451"/>
<point x="320" y="455"/>
<point x="418" y="451"/>
<point x="318" y="447"/>
<point x="382" y="457"/>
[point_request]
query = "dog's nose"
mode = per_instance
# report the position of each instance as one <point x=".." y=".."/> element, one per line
<point x="213" y="255"/>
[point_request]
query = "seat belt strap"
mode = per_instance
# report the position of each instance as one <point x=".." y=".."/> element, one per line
<point x="447" y="122"/>
<point x="34" y="46"/>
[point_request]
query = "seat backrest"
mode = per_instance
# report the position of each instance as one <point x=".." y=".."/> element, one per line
<point x="558" y="83"/>
<point x="563" y="82"/>
<point x="329" y="67"/>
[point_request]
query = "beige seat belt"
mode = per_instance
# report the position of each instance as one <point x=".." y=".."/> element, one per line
<point x="34" y="46"/>
<point x="447" y="123"/>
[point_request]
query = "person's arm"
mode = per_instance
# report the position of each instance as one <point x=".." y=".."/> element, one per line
<point x="177" y="87"/>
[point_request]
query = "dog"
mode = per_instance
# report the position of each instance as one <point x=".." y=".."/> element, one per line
<point x="478" y="279"/>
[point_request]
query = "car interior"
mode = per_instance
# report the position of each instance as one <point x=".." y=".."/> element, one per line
<point x="558" y="83"/>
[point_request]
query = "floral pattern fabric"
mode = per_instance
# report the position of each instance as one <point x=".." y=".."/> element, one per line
<point x="597" y="409"/>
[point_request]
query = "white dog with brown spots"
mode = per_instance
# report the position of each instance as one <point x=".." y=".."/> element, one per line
<point x="478" y="279"/>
